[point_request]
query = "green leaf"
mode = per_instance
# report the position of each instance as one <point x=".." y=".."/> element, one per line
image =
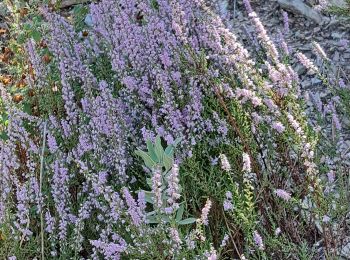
<point x="36" y="35"/>
<point x="26" y="26"/>
<point x="155" y="4"/>
<point x="180" y="212"/>
<point x="151" y="151"/>
<point x="152" y="220"/>
<point x="177" y="141"/>
<point x="158" y="148"/>
<point x="37" y="19"/>
<point x="146" y="158"/>
<point x="149" y="197"/>
<point x="187" y="221"/>
<point x="169" y="150"/>
<point x="167" y="162"/>
<point x="149" y="181"/>
<point x="165" y="218"/>
<point x="27" y="108"/>
<point x="152" y="213"/>
<point x="21" y="38"/>
<point x="4" y="136"/>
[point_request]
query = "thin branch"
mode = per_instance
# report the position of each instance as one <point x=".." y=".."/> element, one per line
<point x="229" y="231"/>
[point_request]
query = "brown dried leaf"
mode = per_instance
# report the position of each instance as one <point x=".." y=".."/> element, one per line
<point x="21" y="84"/>
<point x="17" y="98"/>
<point x="5" y="79"/>
<point x="2" y="31"/>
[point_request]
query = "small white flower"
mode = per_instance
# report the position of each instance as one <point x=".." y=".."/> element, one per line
<point x="246" y="163"/>
<point x="278" y="231"/>
<point x="225" y="164"/>
<point x="326" y="219"/>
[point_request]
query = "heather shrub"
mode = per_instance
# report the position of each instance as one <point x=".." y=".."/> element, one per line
<point x="152" y="133"/>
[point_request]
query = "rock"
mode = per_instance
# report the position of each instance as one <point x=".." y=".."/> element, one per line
<point x="300" y="69"/>
<point x="300" y="7"/>
<point x="305" y="84"/>
<point x="315" y="81"/>
<point x="346" y="55"/>
<point x="346" y="122"/>
<point x="336" y="35"/>
<point x="336" y="56"/>
<point x="345" y="250"/>
<point x="317" y="29"/>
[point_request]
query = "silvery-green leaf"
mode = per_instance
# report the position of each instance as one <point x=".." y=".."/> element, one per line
<point x="187" y="221"/>
<point x="165" y="218"/>
<point x="149" y="181"/>
<point x="151" y="151"/>
<point x="152" y="220"/>
<point x="149" y="197"/>
<point x="146" y="158"/>
<point x="177" y="141"/>
<point x="169" y="150"/>
<point x="180" y="212"/>
<point x="167" y="162"/>
<point x="148" y="214"/>
<point x="159" y="149"/>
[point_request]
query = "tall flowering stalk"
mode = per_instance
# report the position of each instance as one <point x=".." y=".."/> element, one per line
<point x="308" y="64"/>
<point x="319" y="51"/>
<point x="264" y="38"/>
<point x="173" y="188"/>
<point x="285" y="22"/>
<point x="156" y="188"/>
<point x="283" y="194"/>
<point x="258" y="240"/>
<point x="225" y="164"/>
<point x="205" y="212"/>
